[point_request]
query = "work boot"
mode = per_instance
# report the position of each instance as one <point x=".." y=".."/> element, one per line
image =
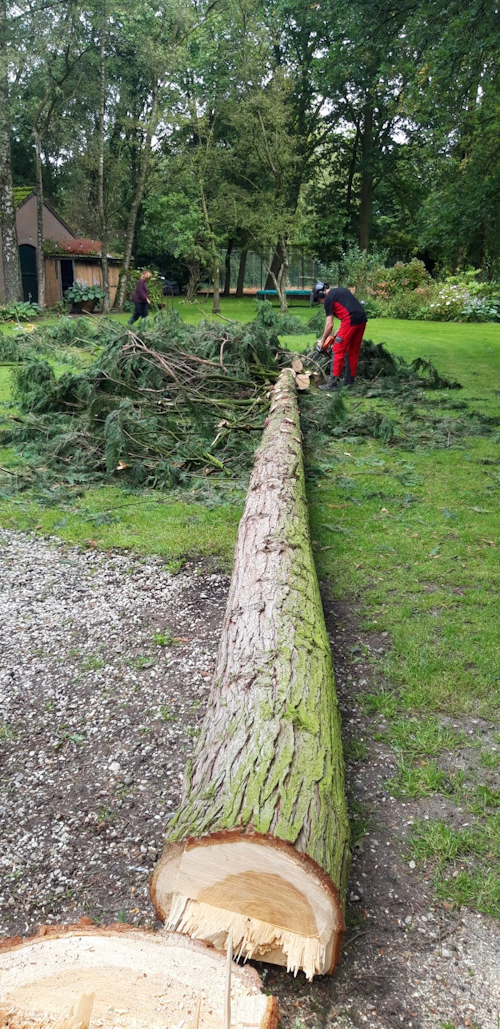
<point x="332" y="384"/>
<point x="348" y="377"/>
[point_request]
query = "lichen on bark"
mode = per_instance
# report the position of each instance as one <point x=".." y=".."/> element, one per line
<point x="269" y="756"/>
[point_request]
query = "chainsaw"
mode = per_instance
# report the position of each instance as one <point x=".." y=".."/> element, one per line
<point x="322" y="348"/>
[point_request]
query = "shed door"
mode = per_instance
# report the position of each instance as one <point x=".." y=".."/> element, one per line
<point x="27" y="255"/>
<point x="67" y="274"/>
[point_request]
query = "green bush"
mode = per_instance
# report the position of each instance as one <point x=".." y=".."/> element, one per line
<point x="372" y="308"/>
<point x="401" y="279"/>
<point x="412" y="305"/>
<point x="481" y="309"/>
<point x="21" y="312"/>
<point x="461" y="298"/>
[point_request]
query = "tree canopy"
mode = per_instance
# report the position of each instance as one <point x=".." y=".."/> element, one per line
<point x="180" y="129"/>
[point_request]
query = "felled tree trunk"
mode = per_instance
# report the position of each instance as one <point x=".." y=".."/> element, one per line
<point x="77" y="976"/>
<point x="259" y="844"/>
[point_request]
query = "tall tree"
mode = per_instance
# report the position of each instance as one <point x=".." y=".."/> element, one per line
<point x="59" y="53"/>
<point x="10" y="251"/>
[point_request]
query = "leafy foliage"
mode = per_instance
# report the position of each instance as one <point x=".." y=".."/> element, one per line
<point x="20" y="312"/>
<point x="81" y="290"/>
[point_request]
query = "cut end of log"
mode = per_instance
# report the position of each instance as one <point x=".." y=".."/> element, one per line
<point x="279" y="905"/>
<point x="82" y="978"/>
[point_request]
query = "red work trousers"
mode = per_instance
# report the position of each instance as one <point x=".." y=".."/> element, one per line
<point x="347" y="340"/>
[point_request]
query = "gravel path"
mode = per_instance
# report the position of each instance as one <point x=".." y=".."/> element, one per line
<point x="106" y="663"/>
<point x="106" y="660"/>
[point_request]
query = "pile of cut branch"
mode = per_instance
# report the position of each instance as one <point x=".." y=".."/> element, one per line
<point x="176" y="406"/>
<point x="156" y="408"/>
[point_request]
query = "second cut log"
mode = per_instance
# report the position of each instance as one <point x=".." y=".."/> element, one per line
<point x="260" y="843"/>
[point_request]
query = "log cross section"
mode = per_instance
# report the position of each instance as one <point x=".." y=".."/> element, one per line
<point x="260" y="843"/>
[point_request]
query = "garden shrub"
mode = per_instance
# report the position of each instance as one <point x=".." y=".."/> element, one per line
<point x="408" y="291"/>
<point x="372" y="308"/>
<point x="385" y="283"/>
<point x="20" y="311"/>
<point x="461" y="298"/>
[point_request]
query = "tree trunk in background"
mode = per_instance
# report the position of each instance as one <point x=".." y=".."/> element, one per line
<point x="139" y="193"/>
<point x="241" y="273"/>
<point x="366" y="177"/>
<point x="215" y="252"/>
<point x="227" y="270"/>
<point x="100" y="173"/>
<point x="216" y="274"/>
<point x="194" y="278"/>
<point x="274" y="269"/>
<point x="280" y="279"/>
<point x="260" y="842"/>
<point x="350" y="180"/>
<point x="40" y="265"/>
<point x="10" y="251"/>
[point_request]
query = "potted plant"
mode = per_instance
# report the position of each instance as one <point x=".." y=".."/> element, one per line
<point x="84" y="297"/>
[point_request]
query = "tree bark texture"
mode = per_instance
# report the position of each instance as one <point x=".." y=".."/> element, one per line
<point x="241" y="273"/>
<point x="10" y="251"/>
<point x="268" y="767"/>
<point x="40" y="260"/>
<point x="365" y="211"/>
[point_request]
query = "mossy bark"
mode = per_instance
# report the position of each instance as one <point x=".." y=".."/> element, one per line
<point x="269" y="756"/>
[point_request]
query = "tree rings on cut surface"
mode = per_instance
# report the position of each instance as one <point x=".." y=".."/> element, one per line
<point x="79" y="977"/>
<point x="280" y="906"/>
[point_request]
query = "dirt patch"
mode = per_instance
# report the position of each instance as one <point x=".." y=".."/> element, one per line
<point x="107" y="663"/>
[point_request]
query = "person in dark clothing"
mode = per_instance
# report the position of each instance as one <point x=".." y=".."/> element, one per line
<point x="141" y="298"/>
<point x="347" y="341"/>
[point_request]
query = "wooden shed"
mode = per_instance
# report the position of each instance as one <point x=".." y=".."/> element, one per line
<point x="68" y="258"/>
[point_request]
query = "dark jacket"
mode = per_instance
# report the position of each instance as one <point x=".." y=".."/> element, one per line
<point x="141" y="294"/>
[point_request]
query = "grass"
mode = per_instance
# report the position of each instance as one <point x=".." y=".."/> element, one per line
<point x="465" y="861"/>
<point x="242" y="310"/>
<point x="108" y="517"/>
<point x="420" y="780"/>
<point x="421" y="736"/>
<point x="415" y="535"/>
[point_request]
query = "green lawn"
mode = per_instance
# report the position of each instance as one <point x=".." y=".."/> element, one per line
<point x="242" y="310"/>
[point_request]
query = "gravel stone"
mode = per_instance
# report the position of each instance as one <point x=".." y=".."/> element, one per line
<point x="96" y="723"/>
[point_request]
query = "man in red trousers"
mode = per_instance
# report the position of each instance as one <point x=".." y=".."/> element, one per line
<point x="347" y="341"/>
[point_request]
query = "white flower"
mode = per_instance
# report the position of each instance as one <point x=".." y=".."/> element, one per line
<point x="447" y="303"/>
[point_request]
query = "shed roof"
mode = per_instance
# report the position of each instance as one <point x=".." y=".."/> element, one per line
<point x="21" y="193"/>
